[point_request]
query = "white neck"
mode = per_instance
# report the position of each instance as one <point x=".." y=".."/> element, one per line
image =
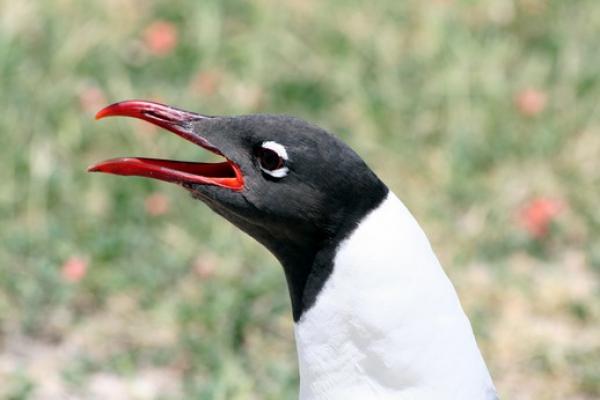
<point x="388" y="323"/>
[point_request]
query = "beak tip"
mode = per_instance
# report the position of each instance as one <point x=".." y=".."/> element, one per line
<point x="128" y="108"/>
<point x="102" y="113"/>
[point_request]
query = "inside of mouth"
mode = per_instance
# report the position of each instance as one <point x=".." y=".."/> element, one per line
<point x="209" y="170"/>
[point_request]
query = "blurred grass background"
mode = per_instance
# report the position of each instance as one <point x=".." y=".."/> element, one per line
<point x="481" y="115"/>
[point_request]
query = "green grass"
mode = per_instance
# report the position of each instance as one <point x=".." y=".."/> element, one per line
<point x="426" y="92"/>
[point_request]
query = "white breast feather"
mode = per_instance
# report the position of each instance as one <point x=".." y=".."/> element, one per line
<point x="388" y="323"/>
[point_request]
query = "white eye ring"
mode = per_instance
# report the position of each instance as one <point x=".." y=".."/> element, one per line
<point x="279" y="171"/>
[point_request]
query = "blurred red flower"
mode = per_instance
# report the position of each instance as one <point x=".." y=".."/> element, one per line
<point x="92" y="99"/>
<point x="537" y="215"/>
<point x="207" y="82"/>
<point x="74" y="268"/>
<point x="531" y="102"/>
<point x="160" y="38"/>
<point x="204" y="266"/>
<point x="157" y="204"/>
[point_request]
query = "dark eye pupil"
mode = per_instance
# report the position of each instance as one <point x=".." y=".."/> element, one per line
<point x="269" y="159"/>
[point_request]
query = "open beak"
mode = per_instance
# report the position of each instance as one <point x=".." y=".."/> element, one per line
<point x="225" y="174"/>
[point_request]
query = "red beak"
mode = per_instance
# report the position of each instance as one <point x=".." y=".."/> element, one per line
<point x="225" y="174"/>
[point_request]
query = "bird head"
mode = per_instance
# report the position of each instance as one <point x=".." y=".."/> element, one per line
<point x="291" y="185"/>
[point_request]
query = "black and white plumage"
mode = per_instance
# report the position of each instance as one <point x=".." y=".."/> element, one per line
<point x="375" y="315"/>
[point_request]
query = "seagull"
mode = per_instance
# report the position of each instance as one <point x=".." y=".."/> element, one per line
<point x="375" y="316"/>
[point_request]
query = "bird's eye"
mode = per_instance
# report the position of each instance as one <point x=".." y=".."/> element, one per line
<point x="272" y="158"/>
<point x="269" y="159"/>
